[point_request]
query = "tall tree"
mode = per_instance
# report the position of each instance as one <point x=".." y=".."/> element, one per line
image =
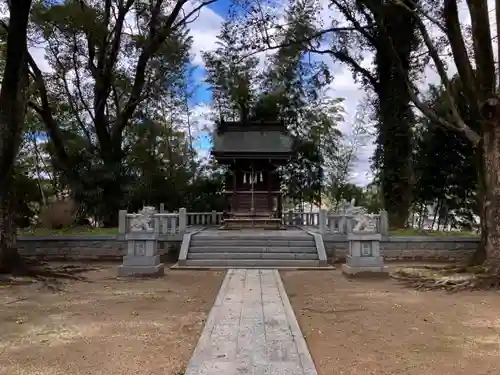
<point x="12" y="112"/>
<point x="233" y="79"/>
<point x="480" y="88"/>
<point x="290" y="87"/>
<point x="104" y="71"/>
<point x="350" y="36"/>
<point x="340" y="165"/>
<point x="445" y="165"/>
<point x="392" y="159"/>
<point x="297" y="87"/>
<point x="393" y="154"/>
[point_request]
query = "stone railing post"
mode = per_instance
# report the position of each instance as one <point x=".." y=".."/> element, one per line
<point x="384" y="223"/>
<point x="214" y="217"/>
<point x="342" y="224"/>
<point x="122" y="222"/>
<point x="157" y="225"/>
<point x="322" y="221"/>
<point x="182" y="220"/>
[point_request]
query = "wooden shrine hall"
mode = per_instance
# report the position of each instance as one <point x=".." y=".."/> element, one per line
<point x="253" y="151"/>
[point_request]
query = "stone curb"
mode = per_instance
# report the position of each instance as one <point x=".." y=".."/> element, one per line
<point x="306" y="360"/>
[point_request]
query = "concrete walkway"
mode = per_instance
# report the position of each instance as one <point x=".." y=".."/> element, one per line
<point x="251" y="329"/>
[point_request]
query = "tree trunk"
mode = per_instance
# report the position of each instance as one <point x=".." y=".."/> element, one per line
<point x="112" y="191"/>
<point x="10" y="260"/>
<point x="490" y="212"/>
<point x="112" y="197"/>
<point x="479" y="255"/>
<point x="12" y="112"/>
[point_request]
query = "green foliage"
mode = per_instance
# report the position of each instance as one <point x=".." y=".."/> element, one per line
<point x="230" y="75"/>
<point x="341" y="159"/>
<point x="291" y="88"/>
<point x="446" y="165"/>
<point x="393" y="154"/>
<point x="113" y="148"/>
<point x="377" y="27"/>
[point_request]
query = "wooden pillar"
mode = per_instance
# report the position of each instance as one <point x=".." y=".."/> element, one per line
<point x="234" y="197"/>
<point x="269" y="189"/>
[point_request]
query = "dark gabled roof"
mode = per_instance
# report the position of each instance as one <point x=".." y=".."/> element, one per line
<point x="254" y="137"/>
<point x="230" y="126"/>
<point x="251" y="137"/>
<point x="252" y="141"/>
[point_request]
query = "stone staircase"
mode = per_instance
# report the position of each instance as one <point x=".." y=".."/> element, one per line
<point x="252" y="249"/>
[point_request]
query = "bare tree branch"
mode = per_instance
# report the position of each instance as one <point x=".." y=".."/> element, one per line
<point x="460" y="56"/>
<point x="345" y="58"/>
<point x="483" y="50"/>
<point x="293" y="42"/>
<point x="456" y="123"/>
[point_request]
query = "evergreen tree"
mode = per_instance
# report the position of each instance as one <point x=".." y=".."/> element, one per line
<point x="103" y="71"/>
<point x="231" y="77"/>
<point x="445" y="165"/>
<point x="393" y="154"/>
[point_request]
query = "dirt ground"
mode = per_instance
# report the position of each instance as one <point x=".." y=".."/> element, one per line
<point x="105" y="325"/>
<point x="381" y="327"/>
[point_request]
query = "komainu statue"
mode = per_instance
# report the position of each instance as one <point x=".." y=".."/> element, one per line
<point x="143" y="221"/>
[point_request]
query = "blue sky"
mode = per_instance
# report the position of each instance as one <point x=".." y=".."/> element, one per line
<point x="202" y="91"/>
<point x="206" y="27"/>
<point x="202" y="94"/>
<point x="205" y="30"/>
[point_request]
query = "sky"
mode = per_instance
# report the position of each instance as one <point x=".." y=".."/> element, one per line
<point x="204" y="30"/>
<point x="206" y="27"/>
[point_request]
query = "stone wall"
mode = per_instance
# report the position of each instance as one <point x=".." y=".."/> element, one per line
<point x="84" y="248"/>
<point x="411" y="248"/>
<point x="111" y="248"/>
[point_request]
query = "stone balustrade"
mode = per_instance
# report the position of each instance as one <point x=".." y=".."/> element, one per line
<point x="300" y="218"/>
<point x="328" y="222"/>
<point x="212" y="218"/>
<point x="169" y="229"/>
<point x="322" y="221"/>
<point x="165" y="223"/>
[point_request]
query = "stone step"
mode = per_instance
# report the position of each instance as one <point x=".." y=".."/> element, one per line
<point x="196" y="241"/>
<point x="238" y="256"/>
<point x="244" y="263"/>
<point x="240" y="235"/>
<point x="251" y="249"/>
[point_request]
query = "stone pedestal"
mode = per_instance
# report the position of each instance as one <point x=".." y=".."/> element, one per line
<point x="141" y="258"/>
<point x="364" y="257"/>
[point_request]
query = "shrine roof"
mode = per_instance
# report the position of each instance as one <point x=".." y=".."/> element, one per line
<point x="258" y="138"/>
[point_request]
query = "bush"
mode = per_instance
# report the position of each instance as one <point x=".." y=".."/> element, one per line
<point x="58" y="215"/>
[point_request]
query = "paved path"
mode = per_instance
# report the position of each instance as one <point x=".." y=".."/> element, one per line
<point x="251" y="329"/>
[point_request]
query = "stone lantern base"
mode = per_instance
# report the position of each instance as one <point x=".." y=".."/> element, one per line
<point x="364" y="257"/>
<point x="141" y="258"/>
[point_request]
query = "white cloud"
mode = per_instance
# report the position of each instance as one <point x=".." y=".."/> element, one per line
<point x="345" y="87"/>
<point x="37" y="50"/>
<point x="204" y="31"/>
<point x="38" y="53"/>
